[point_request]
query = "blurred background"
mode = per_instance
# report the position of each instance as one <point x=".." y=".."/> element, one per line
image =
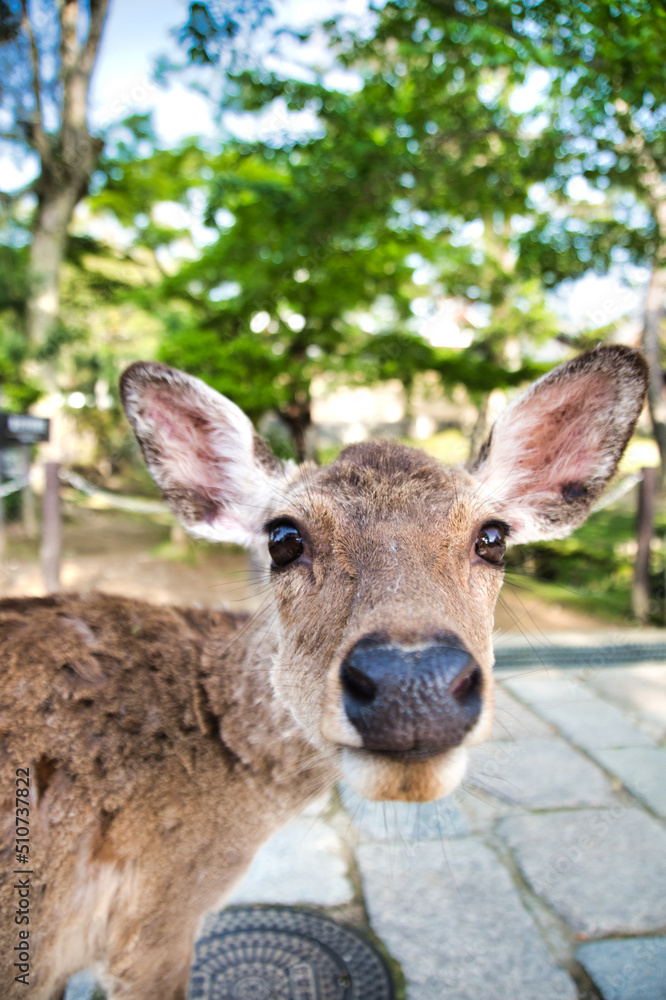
<point x="353" y="219"/>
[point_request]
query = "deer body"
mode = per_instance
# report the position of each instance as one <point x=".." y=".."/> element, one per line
<point x="164" y="745"/>
<point x="149" y="792"/>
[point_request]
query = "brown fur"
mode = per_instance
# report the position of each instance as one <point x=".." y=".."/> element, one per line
<point x="165" y="745"/>
<point x="145" y="783"/>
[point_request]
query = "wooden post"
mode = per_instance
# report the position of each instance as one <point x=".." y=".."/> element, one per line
<point x="640" y="597"/>
<point x="51" y="528"/>
<point x="3" y="544"/>
<point x="28" y="498"/>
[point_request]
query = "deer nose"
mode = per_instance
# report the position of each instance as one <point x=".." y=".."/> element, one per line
<point x="419" y="698"/>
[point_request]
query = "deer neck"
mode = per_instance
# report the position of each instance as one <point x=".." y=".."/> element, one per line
<point x="237" y="699"/>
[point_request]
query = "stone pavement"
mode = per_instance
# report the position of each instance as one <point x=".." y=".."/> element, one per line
<point x="543" y="878"/>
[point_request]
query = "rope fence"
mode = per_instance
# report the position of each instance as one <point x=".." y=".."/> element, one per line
<point x="13" y="486"/>
<point x="113" y="499"/>
<point x="617" y="491"/>
<point x="55" y="476"/>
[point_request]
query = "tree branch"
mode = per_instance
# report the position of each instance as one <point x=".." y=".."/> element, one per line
<point x="651" y="177"/>
<point x="651" y="343"/>
<point x="69" y="57"/>
<point x="77" y="62"/>
<point x="98" y="11"/>
<point x="157" y="263"/>
<point x="40" y="140"/>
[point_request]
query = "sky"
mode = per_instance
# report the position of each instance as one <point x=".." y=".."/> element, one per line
<point x="135" y="34"/>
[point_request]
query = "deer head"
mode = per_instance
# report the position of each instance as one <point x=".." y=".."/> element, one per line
<point x="385" y="566"/>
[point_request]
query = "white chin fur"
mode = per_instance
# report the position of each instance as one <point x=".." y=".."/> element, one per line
<point x="377" y="778"/>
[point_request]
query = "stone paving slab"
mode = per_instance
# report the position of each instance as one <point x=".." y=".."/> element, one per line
<point x="404" y="822"/>
<point x="513" y="721"/>
<point x="481" y="810"/>
<point x="603" y="871"/>
<point x="450" y="914"/>
<point x="593" y="724"/>
<point x="548" y="685"/>
<point x="303" y="863"/>
<point x="83" y="986"/>
<point x="642" y="770"/>
<point x="627" y="970"/>
<point x="641" y="688"/>
<point x="539" y="774"/>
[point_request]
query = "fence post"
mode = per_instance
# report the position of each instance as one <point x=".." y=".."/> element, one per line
<point x="640" y="597"/>
<point x="51" y="527"/>
<point x="3" y="543"/>
<point x="28" y="497"/>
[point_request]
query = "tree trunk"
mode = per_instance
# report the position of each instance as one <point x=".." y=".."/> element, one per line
<point x="652" y="345"/>
<point x="480" y="429"/>
<point x="67" y="160"/>
<point x="54" y="213"/>
<point x="298" y="419"/>
<point x="28" y="498"/>
<point x="640" y="595"/>
<point x="51" y="528"/>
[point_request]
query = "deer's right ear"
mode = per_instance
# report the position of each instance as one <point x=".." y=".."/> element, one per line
<point x="214" y="470"/>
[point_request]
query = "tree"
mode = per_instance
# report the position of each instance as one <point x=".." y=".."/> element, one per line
<point x="602" y="117"/>
<point x="47" y="55"/>
<point x="322" y="244"/>
<point x="308" y="263"/>
<point x="270" y="300"/>
<point x="604" y="120"/>
<point x="18" y="390"/>
<point x="615" y="135"/>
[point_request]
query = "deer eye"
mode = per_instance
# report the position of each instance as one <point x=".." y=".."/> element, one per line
<point x="284" y="543"/>
<point x="490" y="543"/>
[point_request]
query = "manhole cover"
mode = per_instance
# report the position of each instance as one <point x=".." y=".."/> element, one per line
<point x="276" y="953"/>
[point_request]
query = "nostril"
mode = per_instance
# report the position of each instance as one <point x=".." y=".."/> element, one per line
<point x="357" y="684"/>
<point x="466" y="684"/>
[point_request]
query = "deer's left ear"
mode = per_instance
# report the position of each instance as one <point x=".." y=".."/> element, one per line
<point x="554" y="449"/>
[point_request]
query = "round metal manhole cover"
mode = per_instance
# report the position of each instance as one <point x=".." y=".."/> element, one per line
<point x="276" y="953"/>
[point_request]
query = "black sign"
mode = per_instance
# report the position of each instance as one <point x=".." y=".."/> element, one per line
<point x="23" y="428"/>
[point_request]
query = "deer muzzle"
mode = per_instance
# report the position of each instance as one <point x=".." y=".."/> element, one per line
<point x="411" y="702"/>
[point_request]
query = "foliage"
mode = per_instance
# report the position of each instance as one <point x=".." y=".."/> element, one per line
<point x="18" y="391"/>
<point x="593" y="569"/>
<point x="599" y="114"/>
<point x="324" y="247"/>
<point x="304" y="265"/>
<point x="324" y="250"/>
<point x="603" y="120"/>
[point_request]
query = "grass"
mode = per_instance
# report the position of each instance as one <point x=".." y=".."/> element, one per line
<point x="592" y="570"/>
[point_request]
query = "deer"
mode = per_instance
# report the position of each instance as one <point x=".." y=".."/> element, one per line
<point x="148" y="752"/>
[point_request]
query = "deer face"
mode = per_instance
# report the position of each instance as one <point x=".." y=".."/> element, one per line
<point x="385" y="566"/>
<point x="385" y="611"/>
